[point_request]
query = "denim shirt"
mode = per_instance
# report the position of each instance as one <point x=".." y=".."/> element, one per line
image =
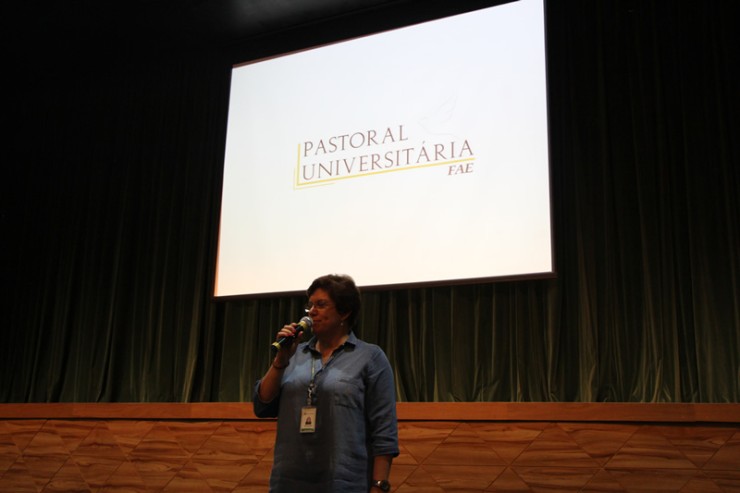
<point x="355" y="420"/>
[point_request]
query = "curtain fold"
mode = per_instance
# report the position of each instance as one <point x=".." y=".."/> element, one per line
<point x="110" y="220"/>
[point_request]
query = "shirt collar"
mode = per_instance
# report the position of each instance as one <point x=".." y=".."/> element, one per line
<point x="350" y="342"/>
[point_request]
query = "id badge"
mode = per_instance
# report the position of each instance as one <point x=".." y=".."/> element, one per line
<point x="308" y="419"/>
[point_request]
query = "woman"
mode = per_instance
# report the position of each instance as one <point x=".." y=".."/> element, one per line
<point x="334" y="398"/>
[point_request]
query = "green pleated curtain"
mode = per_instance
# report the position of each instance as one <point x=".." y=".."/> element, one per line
<point x="110" y="222"/>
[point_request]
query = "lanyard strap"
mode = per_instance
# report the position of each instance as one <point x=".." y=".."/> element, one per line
<point x="312" y="383"/>
<point x="314" y="374"/>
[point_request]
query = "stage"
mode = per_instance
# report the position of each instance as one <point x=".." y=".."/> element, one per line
<point x="222" y="447"/>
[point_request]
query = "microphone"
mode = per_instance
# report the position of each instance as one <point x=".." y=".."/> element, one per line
<point x="303" y="325"/>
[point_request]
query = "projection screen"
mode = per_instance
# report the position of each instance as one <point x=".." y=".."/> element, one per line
<point x="417" y="155"/>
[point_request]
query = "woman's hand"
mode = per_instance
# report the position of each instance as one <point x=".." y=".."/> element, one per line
<point x="287" y="349"/>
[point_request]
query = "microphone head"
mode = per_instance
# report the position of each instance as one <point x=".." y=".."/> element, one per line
<point x="306" y="323"/>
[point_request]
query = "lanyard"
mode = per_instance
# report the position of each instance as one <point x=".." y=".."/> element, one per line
<point x="312" y="383"/>
<point x="314" y="374"/>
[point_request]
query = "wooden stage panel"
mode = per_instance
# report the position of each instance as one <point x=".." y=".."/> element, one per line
<point x="221" y="447"/>
<point x="435" y="411"/>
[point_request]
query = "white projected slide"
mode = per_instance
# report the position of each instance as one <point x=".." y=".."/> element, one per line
<point x="419" y="155"/>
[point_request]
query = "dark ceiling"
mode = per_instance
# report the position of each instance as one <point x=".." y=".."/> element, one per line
<point x="197" y="20"/>
<point x="79" y="25"/>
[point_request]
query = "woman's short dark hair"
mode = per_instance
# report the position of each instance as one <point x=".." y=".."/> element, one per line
<point x="343" y="292"/>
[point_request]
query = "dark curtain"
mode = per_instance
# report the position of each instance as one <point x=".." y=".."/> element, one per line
<point x="110" y="209"/>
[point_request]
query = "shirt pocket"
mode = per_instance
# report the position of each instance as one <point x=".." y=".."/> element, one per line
<point x="348" y="393"/>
